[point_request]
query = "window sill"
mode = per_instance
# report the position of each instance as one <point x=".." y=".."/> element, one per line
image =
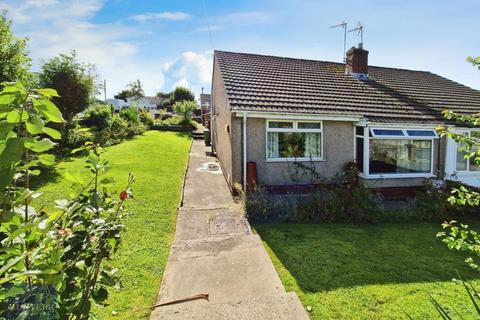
<point x="296" y="160"/>
<point x="466" y="173"/>
<point x="397" y="175"/>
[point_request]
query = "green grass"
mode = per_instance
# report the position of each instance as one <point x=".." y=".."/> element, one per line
<point x="158" y="161"/>
<point x="368" y="272"/>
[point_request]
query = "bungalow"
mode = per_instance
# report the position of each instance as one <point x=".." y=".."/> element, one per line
<point x="272" y="111"/>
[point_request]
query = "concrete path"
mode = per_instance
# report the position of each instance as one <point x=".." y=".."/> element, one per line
<point x="215" y="252"/>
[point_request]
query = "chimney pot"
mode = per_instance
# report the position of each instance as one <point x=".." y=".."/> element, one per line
<point x="357" y="61"/>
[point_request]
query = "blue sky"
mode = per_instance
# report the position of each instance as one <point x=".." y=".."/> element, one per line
<point x="166" y="43"/>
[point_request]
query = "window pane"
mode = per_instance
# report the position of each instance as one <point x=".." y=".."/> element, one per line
<point x="421" y="133"/>
<point x="294" y="144"/>
<point x="359" y="131"/>
<point x="309" y="125"/>
<point x="388" y="132"/>
<point x="400" y="156"/>
<point x="461" y="161"/>
<point x="474" y="165"/>
<point x="280" y="124"/>
<point x="359" y="154"/>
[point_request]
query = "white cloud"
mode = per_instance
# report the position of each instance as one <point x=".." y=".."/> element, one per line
<point x="174" y="16"/>
<point x="55" y="27"/>
<point x="41" y="3"/>
<point x="191" y="69"/>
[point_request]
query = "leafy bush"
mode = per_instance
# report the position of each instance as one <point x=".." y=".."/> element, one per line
<point x="343" y="199"/>
<point x="146" y="117"/>
<point x="185" y="108"/>
<point x="51" y="262"/>
<point x="99" y="116"/>
<point x="78" y="136"/>
<point x="340" y="200"/>
<point x="131" y="115"/>
<point x="109" y="128"/>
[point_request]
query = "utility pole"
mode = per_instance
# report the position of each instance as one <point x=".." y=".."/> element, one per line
<point x="105" y="90"/>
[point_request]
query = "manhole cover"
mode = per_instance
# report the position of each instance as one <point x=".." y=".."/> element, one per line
<point x="228" y="225"/>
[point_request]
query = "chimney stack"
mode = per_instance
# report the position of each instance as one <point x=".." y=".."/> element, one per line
<point x="357" y="62"/>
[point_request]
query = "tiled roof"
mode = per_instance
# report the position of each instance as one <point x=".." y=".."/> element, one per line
<point x="275" y="84"/>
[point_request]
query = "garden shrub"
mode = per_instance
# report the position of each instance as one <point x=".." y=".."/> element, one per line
<point x="52" y="261"/>
<point x="98" y="116"/>
<point x="340" y="200"/>
<point x="78" y="136"/>
<point x="109" y="128"/>
<point x="146" y="117"/>
<point x="343" y="199"/>
<point x="131" y="115"/>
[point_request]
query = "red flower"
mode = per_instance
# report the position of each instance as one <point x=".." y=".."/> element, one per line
<point x="123" y="195"/>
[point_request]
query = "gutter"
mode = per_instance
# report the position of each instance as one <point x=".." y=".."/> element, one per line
<point x="245" y="151"/>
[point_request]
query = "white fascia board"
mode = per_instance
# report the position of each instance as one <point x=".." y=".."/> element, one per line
<point x="298" y="116"/>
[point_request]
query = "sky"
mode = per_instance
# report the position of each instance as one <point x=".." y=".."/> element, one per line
<point x="168" y="43"/>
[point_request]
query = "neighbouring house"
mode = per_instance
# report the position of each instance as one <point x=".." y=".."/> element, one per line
<point x="274" y="111"/>
<point x="150" y="103"/>
<point x="205" y="103"/>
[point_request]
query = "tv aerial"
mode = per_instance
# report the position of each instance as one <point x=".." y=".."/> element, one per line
<point x="344" y="26"/>
<point x="359" y="30"/>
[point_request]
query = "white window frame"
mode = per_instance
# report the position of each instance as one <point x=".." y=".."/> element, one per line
<point x="405" y="134"/>
<point x="467" y="170"/>
<point x="293" y="129"/>
<point x="366" y="151"/>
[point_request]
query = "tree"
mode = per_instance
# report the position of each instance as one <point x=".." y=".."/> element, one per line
<point x="475" y="61"/>
<point x="14" y="61"/>
<point x="133" y="90"/>
<point x="164" y="95"/>
<point x="182" y="94"/>
<point x="74" y="82"/>
<point x="458" y="236"/>
<point x="185" y="108"/>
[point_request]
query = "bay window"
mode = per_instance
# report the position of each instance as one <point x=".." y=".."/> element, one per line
<point x="395" y="151"/>
<point x="296" y="140"/>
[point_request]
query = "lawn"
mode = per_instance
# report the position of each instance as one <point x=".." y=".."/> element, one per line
<point x="368" y="272"/>
<point x="158" y="161"/>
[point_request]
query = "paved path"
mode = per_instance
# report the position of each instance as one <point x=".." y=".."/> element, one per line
<point x="215" y="252"/>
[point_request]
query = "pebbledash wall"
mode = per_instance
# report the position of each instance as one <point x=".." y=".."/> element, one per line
<point x="337" y="152"/>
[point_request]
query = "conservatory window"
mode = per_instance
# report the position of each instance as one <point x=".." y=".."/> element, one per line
<point x="401" y="151"/>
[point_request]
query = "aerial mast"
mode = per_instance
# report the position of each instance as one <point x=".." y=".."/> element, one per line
<point x="344" y="26"/>
<point x="359" y="30"/>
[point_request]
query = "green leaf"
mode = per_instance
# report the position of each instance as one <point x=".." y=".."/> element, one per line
<point x="6" y="102"/>
<point x="16" y="116"/>
<point x="47" y="92"/>
<point x="5" y="128"/>
<point x="47" y="159"/>
<point x="12" y="153"/>
<point x="35" y="125"/>
<point x="54" y="134"/>
<point x="39" y="145"/>
<point x="107" y="180"/>
<point x="74" y="176"/>
<point x="48" y="109"/>
<point x="35" y="172"/>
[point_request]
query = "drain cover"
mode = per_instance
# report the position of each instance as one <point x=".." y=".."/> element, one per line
<point x="228" y="225"/>
<point x="213" y="167"/>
